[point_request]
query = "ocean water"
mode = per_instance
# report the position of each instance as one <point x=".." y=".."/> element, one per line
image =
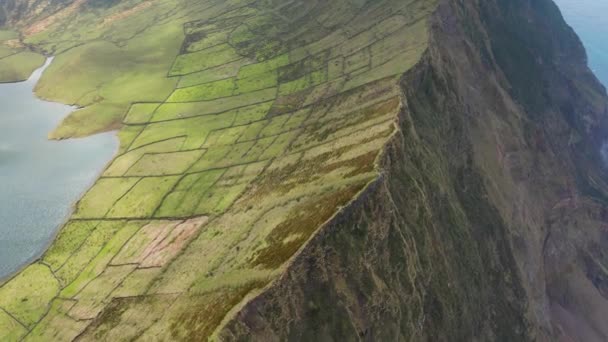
<point x="589" y="18"/>
<point x="39" y="179"/>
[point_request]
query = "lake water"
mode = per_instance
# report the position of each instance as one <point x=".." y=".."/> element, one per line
<point x="589" y="18"/>
<point x="39" y="179"/>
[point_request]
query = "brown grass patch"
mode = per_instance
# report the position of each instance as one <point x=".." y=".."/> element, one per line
<point x="126" y="13"/>
<point x="285" y="179"/>
<point x="286" y="238"/>
<point x="14" y="44"/>
<point x="288" y="103"/>
<point x="45" y="23"/>
<point x="203" y="314"/>
<point x="173" y="243"/>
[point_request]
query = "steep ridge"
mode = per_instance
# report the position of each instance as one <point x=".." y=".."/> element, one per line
<point x="488" y="222"/>
<point x="344" y="170"/>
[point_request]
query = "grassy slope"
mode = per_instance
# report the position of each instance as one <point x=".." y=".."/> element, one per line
<point x="281" y="111"/>
<point x="16" y="63"/>
<point x="104" y="65"/>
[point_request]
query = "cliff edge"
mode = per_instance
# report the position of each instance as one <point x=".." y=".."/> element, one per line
<point x="488" y="221"/>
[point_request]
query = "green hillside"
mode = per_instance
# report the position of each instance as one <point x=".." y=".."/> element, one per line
<point x="245" y="125"/>
<point x="16" y="61"/>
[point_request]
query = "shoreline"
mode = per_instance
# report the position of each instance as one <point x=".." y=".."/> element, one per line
<point x="37" y="74"/>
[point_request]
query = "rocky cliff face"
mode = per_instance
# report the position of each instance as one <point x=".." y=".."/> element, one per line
<point x="489" y="219"/>
<point x="15" y="12"/>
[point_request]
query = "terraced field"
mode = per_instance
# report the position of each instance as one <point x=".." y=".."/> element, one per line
<point x="275" y="116"/>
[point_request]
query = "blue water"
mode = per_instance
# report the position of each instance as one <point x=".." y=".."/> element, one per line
<point x="39" y="179"/>
<point x="589" y="18"/>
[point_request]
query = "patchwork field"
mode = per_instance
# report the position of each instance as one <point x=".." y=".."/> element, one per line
<point x="245" y="126"/>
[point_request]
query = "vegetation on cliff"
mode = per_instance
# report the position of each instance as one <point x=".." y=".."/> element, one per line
<point x="245" y="126"/>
